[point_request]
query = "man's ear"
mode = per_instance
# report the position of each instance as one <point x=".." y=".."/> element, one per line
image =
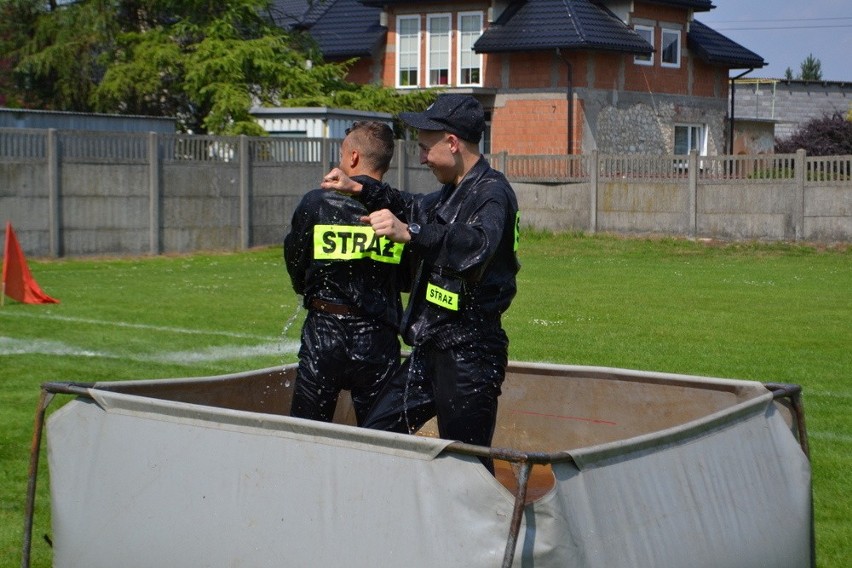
<point x="354" y="158"/>
<point x="454" y="142"/>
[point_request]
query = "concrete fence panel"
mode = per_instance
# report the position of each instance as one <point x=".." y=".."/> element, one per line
<point x="555" y="207"/>
<point x="200" y="206"/>
<point x="756" y="211"/>
<point x="72" y="193"/>
<point x="828" y="213"/>
<point x="643" y="207"/>
<point x="103" y="208"/>
<point x="25" y="202"/>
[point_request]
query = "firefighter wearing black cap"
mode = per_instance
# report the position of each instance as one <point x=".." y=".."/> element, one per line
<point x="463" y="241"/>
<point x="350" y="279"/>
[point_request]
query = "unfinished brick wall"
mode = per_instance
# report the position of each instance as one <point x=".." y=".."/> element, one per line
<point x="362" y="72"/>
<point x="530" y="126"/>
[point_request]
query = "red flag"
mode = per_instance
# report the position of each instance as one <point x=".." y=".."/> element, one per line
<point x="18" y="282"/>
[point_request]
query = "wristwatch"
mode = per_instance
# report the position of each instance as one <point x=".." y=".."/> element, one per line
<point x="413" y="230"/>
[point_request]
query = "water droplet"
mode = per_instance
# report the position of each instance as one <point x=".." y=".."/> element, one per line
<point x="288" y="324"/>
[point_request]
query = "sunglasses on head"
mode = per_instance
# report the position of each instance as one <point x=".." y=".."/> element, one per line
<point x="354" y="126"/>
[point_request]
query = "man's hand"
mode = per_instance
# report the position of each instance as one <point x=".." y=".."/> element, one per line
<point x="338" y="181"/>
<point x="386" y="224"/>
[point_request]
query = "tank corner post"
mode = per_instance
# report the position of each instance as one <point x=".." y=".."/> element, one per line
<point x="44" y="401"/>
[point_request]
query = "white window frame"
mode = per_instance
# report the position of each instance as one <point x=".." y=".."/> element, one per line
<point x="466" y="40"/>
<point x="645" y="59"/>
<point x="677" y="35"/>
<point x="434" y="52"/>
<point x="701" y="142"/>
<point x="408" y="54"/>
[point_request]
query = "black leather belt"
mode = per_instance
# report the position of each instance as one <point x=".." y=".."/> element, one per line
<point x="334" y="308"/>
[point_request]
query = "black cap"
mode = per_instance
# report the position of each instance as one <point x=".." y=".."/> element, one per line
<point x="461" y="115"/>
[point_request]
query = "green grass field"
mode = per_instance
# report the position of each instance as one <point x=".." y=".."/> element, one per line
<point x="768" y="312"/>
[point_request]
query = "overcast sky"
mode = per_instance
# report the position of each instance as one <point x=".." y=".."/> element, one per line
<point x="785" y="32"/>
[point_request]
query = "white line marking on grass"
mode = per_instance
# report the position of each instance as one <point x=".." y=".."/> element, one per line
<point x="139" y="326"/>
<point x="11" y="346"/>
<point x="228" y="352"/>
<point x="829" y="394"/>
<point x="831" y="437"/>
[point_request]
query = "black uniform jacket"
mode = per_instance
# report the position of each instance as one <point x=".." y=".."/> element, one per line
<point x="464" y="258"/>
<point x="333" y="256"/>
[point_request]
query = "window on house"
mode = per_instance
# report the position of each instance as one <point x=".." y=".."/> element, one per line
<point x="670" y="53"/>
<point x="439" y="49"/>
<point x="470" y="62"/>
<point x="646" y="33"/>
<point x="408" y="50"/>
<point x="688" y="137"/>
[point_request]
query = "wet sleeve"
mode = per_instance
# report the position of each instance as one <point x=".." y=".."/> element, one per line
<point x="466" y="248"/>
<point x="298" y="244"/>
<point x="377" y="195"/>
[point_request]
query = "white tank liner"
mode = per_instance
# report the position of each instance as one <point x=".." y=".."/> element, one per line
<point x="148" y="478"/>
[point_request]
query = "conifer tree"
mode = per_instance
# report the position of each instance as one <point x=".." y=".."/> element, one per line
<point x="204" y="62"/>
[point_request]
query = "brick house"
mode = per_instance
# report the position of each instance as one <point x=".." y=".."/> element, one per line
<point x="555" y="76"/>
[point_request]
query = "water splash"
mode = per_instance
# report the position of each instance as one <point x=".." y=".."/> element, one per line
<point x="405" y="399"/>
<point x="287" y="325"/>
<point x="413" y="373"/>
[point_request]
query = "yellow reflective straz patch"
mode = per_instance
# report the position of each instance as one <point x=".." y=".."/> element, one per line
<point x="517" y="230"/>
<point x="353" y="242"/>
<point x="442" y="297"/>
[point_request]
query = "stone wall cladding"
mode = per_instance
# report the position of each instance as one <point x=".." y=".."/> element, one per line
<point x="644" y="123"/>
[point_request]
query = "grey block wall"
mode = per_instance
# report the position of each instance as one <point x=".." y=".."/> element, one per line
<point x="790" y="103"/>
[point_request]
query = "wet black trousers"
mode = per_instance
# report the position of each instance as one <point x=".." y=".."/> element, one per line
<point x="460" y="385"/>
<point x="342" y="352"/>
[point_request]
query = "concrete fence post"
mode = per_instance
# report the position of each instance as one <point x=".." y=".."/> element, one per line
<point x="692" y="197"/>
<point x="154" y="221"/>
<point x="594" y="175"/>
<point x="325" y="156"/>
<point x="401" y="165"/>
<point x="54" y="213"/>
<point x="245" y="194"/>
<point x="798" y="212"/>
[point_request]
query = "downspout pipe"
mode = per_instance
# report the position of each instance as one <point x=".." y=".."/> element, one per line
<point x="733" y="93"/>
<point x="570" y="95"/>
